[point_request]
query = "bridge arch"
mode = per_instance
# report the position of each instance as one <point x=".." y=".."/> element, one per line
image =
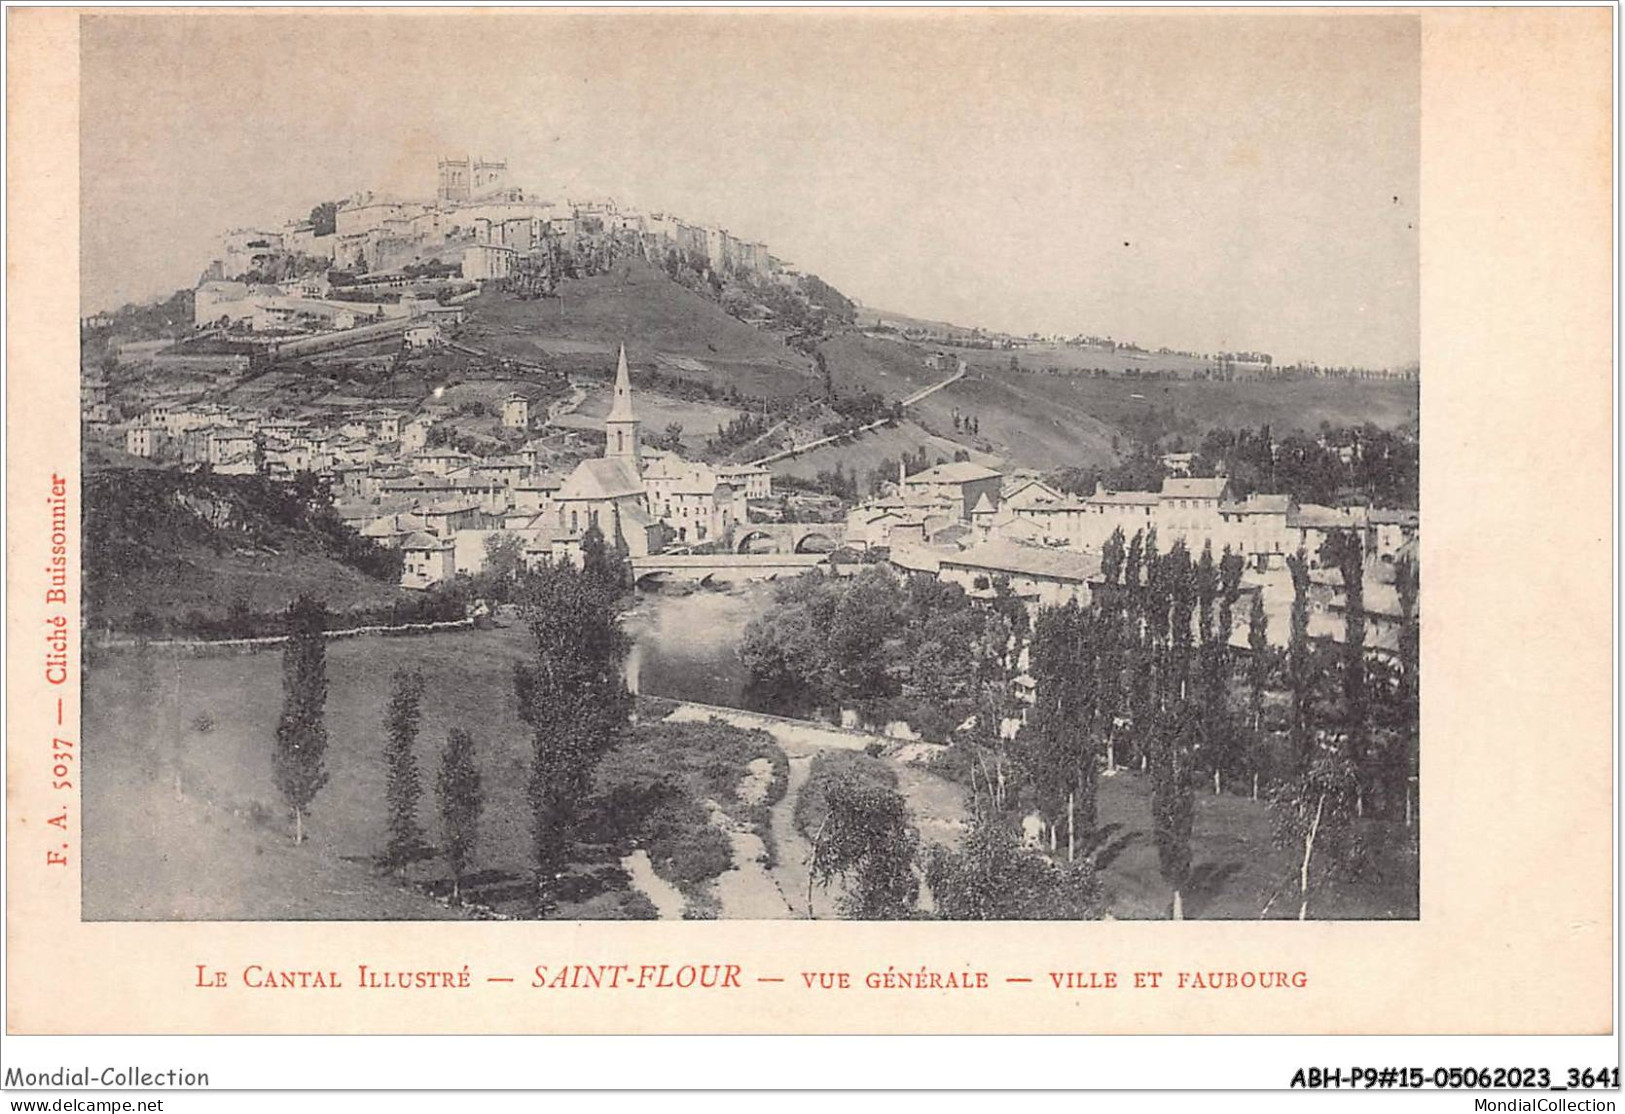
<point x="749" y="542"/>
<point x="817" y="541"/>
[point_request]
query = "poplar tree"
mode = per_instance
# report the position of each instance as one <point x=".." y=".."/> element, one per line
<point x="1300" y="663"/>
<point x="1218" y="730"/>
<point x="574" y="699"/>
<point x="1260" y="664"/>
<point x="1178" y="723"/>
<point x="1113" y="631"/>
<point x="1404" y="765"/>
<point x="402" y="787"/>
<point x="1064" y="667"/>
<point x="461" y="798"/>
<point x="301" y="734"/>
<point x="1315" y="808"/>
<point x="1343" y="549"/>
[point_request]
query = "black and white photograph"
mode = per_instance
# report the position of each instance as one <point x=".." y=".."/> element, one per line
<point x="658" y="466"/>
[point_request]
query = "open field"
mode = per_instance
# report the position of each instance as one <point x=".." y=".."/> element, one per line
<point x="699" y="419"/>
<point x="866" y="452"/>
<point x="179" y="795"/>
<point x="1235" y="868"/>
<point x="209" y="723"/>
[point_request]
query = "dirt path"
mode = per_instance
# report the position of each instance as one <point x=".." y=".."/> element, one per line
<point x="666" y="897"/>
<point x="563" y="406"/>
<point x="747" y="891"/>
<point x="795" y="851"/>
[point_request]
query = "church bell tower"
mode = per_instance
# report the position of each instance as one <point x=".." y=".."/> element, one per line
<point x="621" y="427"/>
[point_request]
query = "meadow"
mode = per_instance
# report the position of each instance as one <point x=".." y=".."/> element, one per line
<point x="183" y="820"/>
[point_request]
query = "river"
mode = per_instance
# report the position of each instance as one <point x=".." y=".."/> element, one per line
<point x="687" y="647"/>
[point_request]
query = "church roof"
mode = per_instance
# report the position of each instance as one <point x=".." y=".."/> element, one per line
<point x="602" y="478"/>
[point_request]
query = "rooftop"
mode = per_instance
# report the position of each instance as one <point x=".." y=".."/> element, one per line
<point x="1028" y="560"/>
<point x="602" y="478"/>
<point x="1186" y="487"/>
<point x="956" y="472"/>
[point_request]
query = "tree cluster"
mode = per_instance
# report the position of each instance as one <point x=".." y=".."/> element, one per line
<point x="921" y="651"/>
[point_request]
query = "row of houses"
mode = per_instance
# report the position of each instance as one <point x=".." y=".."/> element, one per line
<point x="1049" y="577"/>
<point x="1263" y="528"/>
<point x="1200" y="511"/>
<point x="305" y="305"/>
<point x="448" y="508"/>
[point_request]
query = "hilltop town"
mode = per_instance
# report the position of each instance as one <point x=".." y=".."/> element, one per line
<point x="416" y="411"/>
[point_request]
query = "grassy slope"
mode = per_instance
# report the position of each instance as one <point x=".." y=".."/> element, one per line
<point x="221" y="851"/>
<point x="654" y="317"/>
<point x="1031" y="419"/>
<point x="228" y="767"/>
<point x="699" y="418"/>
<point x="1235" y="867"/>
<point x="180" y="573"/>
<point x="211" y="721"/>
<point x="867" y="452"/>
<point x="201" y="581"/>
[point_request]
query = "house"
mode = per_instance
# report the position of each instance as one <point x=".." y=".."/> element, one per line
<point x="534" y="494"/>
<point x="1256" y="527"/>
<point x="438" y="462"/>
<point x="516" y="412"/>
<point x="423" y="336"/>
<point x="1107" y="511"/>
<point x="916" y="561"/>
<point x="1312" y="524"/>
<point x="141" y="440"/>
<point x="417" y="488"/>
<point x="1028" y="493"/>
<point x="233" y="447"/>
<point x="1188" y="510"/>
<point x="754" y="480"/>
<point x="1042" y="575"/>
<point x="445" y="519"/>
<point x="1178" y="464"/>
<point x="959" y="484"/>
<point x="415" y="435"/>
<point x="1388" y="531"/>
<point x="427" y="560"/>
<point x="874" y="525"/>
<point x="691" y="499"/>
<point x="392" y="529"/>
<point x="505" y="471"/>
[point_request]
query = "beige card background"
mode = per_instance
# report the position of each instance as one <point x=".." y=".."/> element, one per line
<point x="1516" y="929"/>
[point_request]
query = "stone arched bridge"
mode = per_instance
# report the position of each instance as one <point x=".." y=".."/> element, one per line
<point x="789" y="537"/>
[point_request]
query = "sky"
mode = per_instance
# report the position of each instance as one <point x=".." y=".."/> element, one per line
<point x="1205" y="180"/>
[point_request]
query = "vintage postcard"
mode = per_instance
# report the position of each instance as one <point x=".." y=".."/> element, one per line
<point x="786" y="521"/>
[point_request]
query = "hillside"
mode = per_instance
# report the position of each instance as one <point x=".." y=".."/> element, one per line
<point x="1050" y="410"/>
<point x="661" y="323"/>
<point x="173" y="543"/>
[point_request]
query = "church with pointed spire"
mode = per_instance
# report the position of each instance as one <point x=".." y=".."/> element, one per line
<point x="621" y="427"/>
<point x="644" y="498"/>
<point x="608" y="492"/>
